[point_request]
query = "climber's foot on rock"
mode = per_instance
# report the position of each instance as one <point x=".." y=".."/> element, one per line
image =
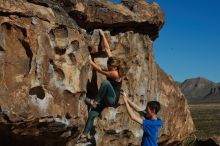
<point x="82" y="139"/>
<point x="91" y="102"/>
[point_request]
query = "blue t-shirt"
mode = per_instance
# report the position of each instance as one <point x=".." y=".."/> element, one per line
<point x="151" y="128"/>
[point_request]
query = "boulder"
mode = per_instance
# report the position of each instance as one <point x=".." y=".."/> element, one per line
<point x="44" y="51"/>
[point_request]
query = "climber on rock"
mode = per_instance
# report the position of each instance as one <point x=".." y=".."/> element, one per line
<point x="150" y="124"/>
<point x="109" y="91"/>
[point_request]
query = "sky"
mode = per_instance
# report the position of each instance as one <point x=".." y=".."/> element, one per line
<point x="189" y="43"/>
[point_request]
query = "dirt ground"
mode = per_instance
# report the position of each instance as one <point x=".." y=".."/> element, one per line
<point x="206" y="117"/>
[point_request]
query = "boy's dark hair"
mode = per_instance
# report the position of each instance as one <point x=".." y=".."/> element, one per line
<point x="154" y="105"/>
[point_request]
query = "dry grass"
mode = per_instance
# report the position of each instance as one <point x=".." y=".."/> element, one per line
<point x="206" y="116"/>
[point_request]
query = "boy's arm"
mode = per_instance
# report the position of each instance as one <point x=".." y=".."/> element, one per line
<point x="131" y="113"/>
<point x="132" y="104"/>
<point x="135" y="106"/>
<point x="105" y="43"/>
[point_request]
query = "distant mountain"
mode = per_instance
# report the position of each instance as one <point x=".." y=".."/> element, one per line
<point x="214" y="92"/>
<point x="200" y="88"/>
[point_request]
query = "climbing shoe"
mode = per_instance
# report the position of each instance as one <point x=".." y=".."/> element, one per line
<point x="91" y="102"/>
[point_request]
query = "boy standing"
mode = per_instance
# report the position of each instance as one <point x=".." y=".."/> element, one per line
<point x="151" y="123"/>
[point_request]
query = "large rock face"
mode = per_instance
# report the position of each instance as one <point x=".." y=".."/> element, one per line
<point x="44" y="50"/>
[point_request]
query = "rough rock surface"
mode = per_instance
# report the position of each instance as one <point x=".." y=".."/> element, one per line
<point x="44" y="50"/>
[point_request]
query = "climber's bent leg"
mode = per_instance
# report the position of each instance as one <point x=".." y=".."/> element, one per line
<point x="106" y="93"/>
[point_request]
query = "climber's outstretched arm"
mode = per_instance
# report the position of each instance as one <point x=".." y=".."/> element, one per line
<point x="105" y="43"/>
<point x="110" y="74"/>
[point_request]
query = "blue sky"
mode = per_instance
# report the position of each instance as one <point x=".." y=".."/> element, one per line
<point x="189" y="43"/>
